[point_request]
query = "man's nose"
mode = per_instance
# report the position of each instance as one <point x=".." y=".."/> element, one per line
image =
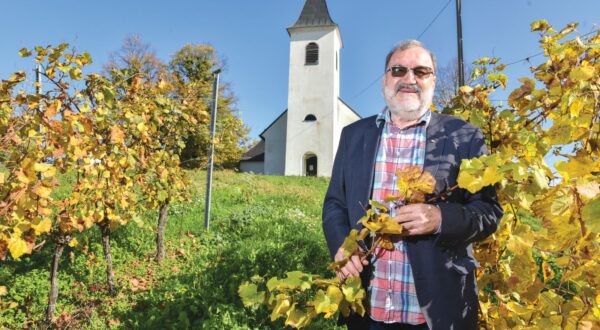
<point x="409" y="78"/>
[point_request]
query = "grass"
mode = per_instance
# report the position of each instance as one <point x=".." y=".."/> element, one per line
<point x="263" y="225"/>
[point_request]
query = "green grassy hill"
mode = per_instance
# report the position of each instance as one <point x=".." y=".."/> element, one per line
<point x="260" y="225"/>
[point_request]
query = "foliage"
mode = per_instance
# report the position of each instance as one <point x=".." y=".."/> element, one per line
<point x="542" y="274"/>
<point x="113" y="133"/>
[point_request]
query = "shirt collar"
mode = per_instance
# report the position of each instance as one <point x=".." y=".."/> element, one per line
<point x="385" y="117"/>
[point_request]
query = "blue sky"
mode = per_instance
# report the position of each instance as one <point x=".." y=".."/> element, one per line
<point x="251" y="36"/>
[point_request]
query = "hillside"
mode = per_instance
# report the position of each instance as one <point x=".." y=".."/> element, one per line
<point x="260" y="225"/>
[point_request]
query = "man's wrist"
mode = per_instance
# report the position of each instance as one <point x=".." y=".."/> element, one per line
<point x="439" y="228"/>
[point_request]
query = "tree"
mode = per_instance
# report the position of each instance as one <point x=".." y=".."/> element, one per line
<point x="137" y="57"/>
<point x="192" y="66"/>
<point x="446" y="86"/>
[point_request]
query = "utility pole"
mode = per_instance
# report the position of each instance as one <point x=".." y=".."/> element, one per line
<point x="213" y="121"/>
<point x="461" y="69"/>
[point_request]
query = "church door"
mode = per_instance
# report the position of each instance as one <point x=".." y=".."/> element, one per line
<point x="311" y="165"/>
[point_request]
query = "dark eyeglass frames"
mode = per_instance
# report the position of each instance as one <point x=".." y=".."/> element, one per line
<point x="421" y="72"/>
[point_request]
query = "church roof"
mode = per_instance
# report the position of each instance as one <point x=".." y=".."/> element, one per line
<point x="271" y="124"/>
<point x="314" y="13"/>
<point x="256" y="153"/>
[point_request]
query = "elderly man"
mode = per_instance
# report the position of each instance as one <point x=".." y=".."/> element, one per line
<point x="428" y="280"/>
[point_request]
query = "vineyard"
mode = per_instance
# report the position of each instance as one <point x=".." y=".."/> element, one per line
<point x="196" y="284"/>
<point x="100" y="225"/>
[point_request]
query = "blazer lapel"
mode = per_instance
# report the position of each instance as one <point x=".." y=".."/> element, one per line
<point x="370" y="145"/>
<point x="436" y="141"/>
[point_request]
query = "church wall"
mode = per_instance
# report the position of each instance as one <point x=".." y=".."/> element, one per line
<point x="347" y="116"/>
<point x="275" y="138"/>
<point x="252" y="167"/>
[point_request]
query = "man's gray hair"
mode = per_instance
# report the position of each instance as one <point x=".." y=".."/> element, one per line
<point x="407" y="44"/>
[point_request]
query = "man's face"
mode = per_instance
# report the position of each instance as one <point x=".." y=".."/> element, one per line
<point x="409" y="96"/>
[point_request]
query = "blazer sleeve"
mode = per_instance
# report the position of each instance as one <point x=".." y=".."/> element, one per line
<point x="478" y="215"/>
<point x="336" y="223"/>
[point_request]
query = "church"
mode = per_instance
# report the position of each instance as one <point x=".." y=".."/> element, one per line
<point x="303" y="139"/>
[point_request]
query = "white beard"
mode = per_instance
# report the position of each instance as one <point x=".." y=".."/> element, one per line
<point x="410" y="109"/>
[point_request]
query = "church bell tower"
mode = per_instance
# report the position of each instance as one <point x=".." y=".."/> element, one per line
<point x="313" y="125"/>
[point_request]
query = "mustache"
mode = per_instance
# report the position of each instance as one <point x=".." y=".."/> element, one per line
<point x="413" y="87"/>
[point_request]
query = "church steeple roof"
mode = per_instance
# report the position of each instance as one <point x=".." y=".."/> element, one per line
<point x="314" y="13"/>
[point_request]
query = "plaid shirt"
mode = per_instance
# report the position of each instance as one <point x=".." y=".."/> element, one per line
<point x="393" y="297"/>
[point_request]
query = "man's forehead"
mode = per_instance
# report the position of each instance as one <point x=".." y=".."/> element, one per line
<point x="419" y="54"/>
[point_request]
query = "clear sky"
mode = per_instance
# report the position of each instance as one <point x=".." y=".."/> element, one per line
<point x="251" y="36"/>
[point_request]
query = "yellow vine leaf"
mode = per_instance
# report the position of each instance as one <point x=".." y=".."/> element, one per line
<point x="298" y="317"/>
<point x="379" y="206"/>
<point x="42" y="191"/>
<point x="581" y="165"/>
<point x="470" y="175"/>
<point x="389" y="225"/>
<point x="576" y="107"/>
<point x="386" y="242"/>
<point x="1" y="178"/>
<point x="591" y="215"/>
<point x="328" y="303"/>
<point x="296" y="280"/>
<point x="588" y="190"/>
<point x="466" y="89"/>
<point x="282" y="306"/>
<point x="24" y="52"/>
<point x="250" y="294"/>
<point x="414" y="183"/>
<point x="17" y="247"/>
<point x="350" y="246"/>
<point x="52" y="109"/>
<point x="352" y="289"/>
<point x="491" y="175"/>
<point x="116" y="135"/>
<point x="43" y="227"/>
<point x="582" y="73"/>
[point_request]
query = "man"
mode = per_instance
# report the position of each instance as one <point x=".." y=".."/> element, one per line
<point x="428" y="280"/>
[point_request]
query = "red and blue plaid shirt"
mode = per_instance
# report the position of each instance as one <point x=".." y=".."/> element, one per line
<point x="392" y="293"/>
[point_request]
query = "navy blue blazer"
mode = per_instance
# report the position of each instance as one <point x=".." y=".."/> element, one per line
<point x="443" y="264"/>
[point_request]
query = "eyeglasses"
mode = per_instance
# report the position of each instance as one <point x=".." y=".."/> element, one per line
<point x="421" y="72"/>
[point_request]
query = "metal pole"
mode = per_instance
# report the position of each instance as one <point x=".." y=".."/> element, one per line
<point x="38" y="79"/>
<point x="213" y="121"/>
<point x="461" y="70"/>
<point x="38" y="91"/>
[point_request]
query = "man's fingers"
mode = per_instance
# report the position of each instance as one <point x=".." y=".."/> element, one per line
<point x="353" y="267"/>
<point x="357" y="263"/>
<point x="350" y="267"/>
<point x="407" y="209"/>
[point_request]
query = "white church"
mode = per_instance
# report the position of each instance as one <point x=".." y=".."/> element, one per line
<point x="304" y="138"/>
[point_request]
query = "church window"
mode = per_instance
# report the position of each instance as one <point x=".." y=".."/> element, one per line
<point x="312" y="53"/>
<point x="310" y="117"/>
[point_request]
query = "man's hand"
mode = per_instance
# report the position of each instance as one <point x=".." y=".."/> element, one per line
<point x="419" y="219"/>
<point x="353" y="267"/>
